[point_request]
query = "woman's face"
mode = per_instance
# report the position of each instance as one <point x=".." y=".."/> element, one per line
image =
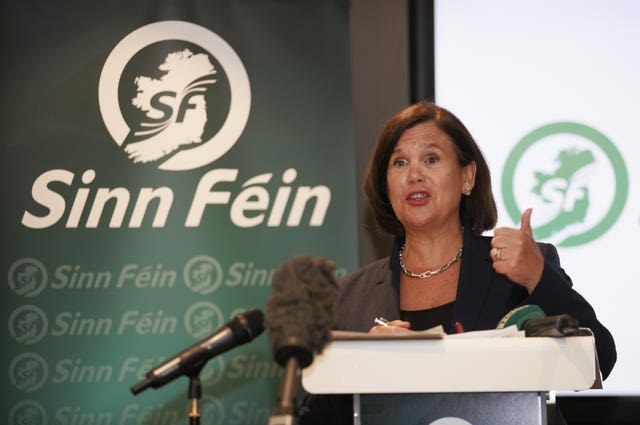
<point x="425" y="180"/>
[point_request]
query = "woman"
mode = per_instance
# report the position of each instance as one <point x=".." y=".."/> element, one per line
<point x="430" y="187"/>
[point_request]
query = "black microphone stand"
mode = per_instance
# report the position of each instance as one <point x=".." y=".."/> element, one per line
<point x="195" y="393"/>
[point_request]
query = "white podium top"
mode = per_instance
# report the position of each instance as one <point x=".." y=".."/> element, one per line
<point x="494" y="364"/>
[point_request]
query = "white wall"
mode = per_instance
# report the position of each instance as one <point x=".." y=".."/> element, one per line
<point x="508" y="68"/>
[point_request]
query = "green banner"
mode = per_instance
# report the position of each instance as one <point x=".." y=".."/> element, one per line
<point x="160" y="160"/>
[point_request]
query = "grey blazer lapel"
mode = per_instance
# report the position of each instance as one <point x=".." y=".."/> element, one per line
<point x="386" y="295"/>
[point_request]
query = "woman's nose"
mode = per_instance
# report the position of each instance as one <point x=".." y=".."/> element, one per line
<point x="415" y="174"/>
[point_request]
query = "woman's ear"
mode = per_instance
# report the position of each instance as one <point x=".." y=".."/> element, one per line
<point x="468" y="178"/>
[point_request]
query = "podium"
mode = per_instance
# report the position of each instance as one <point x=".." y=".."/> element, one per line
<point x="437" y="379"/>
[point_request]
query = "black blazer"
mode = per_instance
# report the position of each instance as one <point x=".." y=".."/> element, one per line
<point x="483" y="296"/>
<point x="482" y="299"/>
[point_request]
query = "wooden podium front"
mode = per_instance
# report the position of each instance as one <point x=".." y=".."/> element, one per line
<point x="475" y="378"/>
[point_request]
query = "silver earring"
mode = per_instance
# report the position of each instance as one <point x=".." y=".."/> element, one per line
<point x="467" y="190"/>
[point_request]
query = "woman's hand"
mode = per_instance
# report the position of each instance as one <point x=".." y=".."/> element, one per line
<point x="515" y="253"/>
<point x="392" y="327"/>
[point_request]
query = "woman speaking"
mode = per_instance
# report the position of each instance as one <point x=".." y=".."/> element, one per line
<point x="429" y="186"/>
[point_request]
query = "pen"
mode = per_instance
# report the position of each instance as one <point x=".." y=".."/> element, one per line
<point x="381" y="321"/>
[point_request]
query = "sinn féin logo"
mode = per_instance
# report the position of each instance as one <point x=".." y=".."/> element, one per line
<point x="28" y="412"/>
<point x="175" y="95"/>
<point x="202" y="274"/>
<point x="28" y="324"/>
<point x="27" y="277"/>
<point x="28" y="372"/>
<point x="212" y="409"/>
<point x="574" y="178"/>
<point x="202" y="319"/>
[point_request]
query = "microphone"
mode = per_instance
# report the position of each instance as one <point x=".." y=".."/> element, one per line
<point x="298" y="319"/>
<point x="239" y="330"/>
<point x="533" y="321"/>
<point x="519" y="316"/>
<point x="554" y="326"/>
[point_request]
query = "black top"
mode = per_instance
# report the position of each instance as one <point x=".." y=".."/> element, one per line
<point x="426" y="319"/>
<point x="483" y="297"/>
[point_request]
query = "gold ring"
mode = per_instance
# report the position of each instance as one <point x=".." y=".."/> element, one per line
<point x="495" y="253"/>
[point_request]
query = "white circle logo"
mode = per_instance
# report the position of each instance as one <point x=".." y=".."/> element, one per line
<point x="211" y="410"/>
<point x="27" y="277"/>
<point x="28" y="412"/>
<point x="450" y="421"/>
<point x="202" y="319"/>
<point x="28" y="324"/>
<point x="28" y="372"/>
<point x="213" y="372"/>
<point x="573" y="176"/>
<point x="174" y="94"/>
<point x="202" y="274"/>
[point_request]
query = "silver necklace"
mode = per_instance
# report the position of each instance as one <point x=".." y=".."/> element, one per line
<point x="428" y="273"/>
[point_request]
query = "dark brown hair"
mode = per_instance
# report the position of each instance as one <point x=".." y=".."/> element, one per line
<point x="478" y="210"/>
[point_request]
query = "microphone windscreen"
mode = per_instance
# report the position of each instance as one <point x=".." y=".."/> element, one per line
<point x="518" y="316"/>
<point x="323" y="294"/>
<point x="301" y="310"/>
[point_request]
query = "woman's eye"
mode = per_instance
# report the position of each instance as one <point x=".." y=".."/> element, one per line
<point x="399" y="162"/>
<point x="431" y="159"/>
